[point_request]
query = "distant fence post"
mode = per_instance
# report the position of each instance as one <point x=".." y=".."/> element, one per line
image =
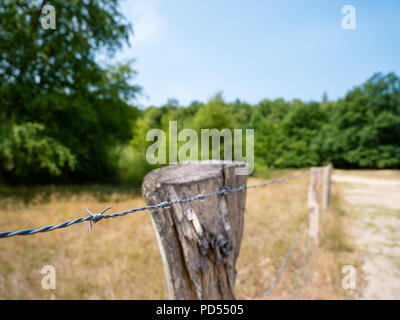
<point x="313" y="205"/>
<point x="326" y="187"/>
<point x="200" y="240"/>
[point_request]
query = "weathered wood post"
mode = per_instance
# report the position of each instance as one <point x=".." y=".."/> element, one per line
<point x="199" y="241"/>
<point x="326" y="188"/>
<point x="313" y="205"/>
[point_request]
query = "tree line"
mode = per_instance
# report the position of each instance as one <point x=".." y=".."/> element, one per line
<point x="66" y="116"/>
<point x="358" y="131"/>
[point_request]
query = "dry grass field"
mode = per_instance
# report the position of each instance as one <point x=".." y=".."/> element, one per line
<point x="119" y="259"/>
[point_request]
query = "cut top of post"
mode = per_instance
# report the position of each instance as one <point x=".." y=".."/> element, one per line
<point x="200" y="240"/>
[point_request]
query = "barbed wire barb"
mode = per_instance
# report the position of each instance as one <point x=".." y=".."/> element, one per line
<point x="95" y="217"/>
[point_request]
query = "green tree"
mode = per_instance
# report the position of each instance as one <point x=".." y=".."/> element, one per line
<point x="52" y="83"/>
<point x="296" y="133"/>
<point x="363" y="130"/>
<point x="216" y="114"/>
<point x="27" y="151"/>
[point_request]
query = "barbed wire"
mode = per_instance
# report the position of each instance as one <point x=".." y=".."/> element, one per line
<point x="286" y="260"/>
<point x="95" y="217"/>
<point x="300" y="269"/>
<point x="306" y="272"/>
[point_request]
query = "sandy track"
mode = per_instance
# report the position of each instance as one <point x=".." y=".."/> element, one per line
<point x="375" y="206"/>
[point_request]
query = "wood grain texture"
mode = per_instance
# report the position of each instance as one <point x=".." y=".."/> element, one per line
<point x="313" y="204"/>
<point x="326" y="188"/>
<point x="199" y="241"/>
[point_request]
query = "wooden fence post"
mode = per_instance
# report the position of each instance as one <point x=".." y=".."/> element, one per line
<point x="326" y="188"/>
<point x="313" y="205"/>
<point x="199" y="241"/>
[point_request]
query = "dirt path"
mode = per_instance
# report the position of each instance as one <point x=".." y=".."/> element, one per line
<point x="374" y="204"/>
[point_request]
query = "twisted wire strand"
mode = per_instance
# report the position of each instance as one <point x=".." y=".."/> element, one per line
<point x="286" y="260"/>
<point x="93" y="218"/>
<point x="300" y="269"/>
<point x="306" y="273"/>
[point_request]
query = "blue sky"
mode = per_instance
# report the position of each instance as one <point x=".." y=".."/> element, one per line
<point x="252" y="50"/>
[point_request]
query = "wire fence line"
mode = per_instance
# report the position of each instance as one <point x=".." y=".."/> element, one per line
<point x="300" y="269"/>
<point x="305" y="262"/>
<point x="287" y="257"/>
<point x="306" y="272"/>
<point x="95" y="217"/>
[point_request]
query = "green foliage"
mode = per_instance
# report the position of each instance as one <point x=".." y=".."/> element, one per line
<point x="216" y="114"/>
<point x="363" y="129"/>
<point x="53" y="83"/>
<point x="29" y="151"/>
<point x="64" y="115"/>
<point x="295" y="135"/>
<point x="360" y="131"/>
<point x="132" y="166"/>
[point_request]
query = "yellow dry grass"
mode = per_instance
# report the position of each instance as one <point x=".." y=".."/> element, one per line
<point x="120" y="258"/>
